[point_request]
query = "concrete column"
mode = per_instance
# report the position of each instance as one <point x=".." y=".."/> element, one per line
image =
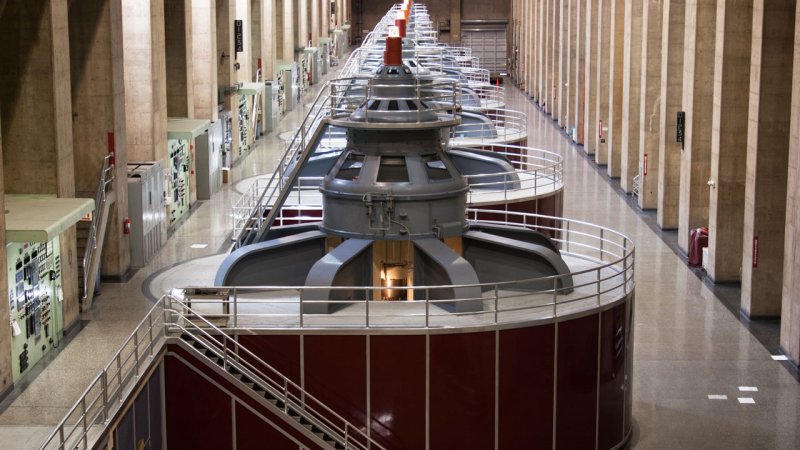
<point x="325" y="17"/>
<point x="241" y="11"/>
<point x="204" y="59"/>
<point x="603" y="80"/>
<point x="226" y="74"/>
<point x="563" y="61"/>
<point x="631" y="93"/>
<point x="768" y="138"/>
<point x="287" y="52"/>
<point x="590" y="77"/>
<point x="729" y="138"/>
<point x="669" y="151"/>
<point x="302" y="23"/>
<point x="553" y="62"/>
<point x="572" y="64"/>
<point x="539" y="51"/>
<point x="92" y="67"/>
<point x="790" y="310"/>
<point x="518" y="10"/>
<point x="547" y="59"/>
<point x="532" y="39"/>
<point x="269" y="41"/>
<point x="315" y="26"/>
<point x="178" y="47"/>
<point x="6" y="379"/>
<point x="455" y="21"/>
<point x="577" y="89"/>
<point x="698" y="93"/>
<point x="36" y="106"/>
<point x="650" y="106"/>
<point x="615" y="79"/>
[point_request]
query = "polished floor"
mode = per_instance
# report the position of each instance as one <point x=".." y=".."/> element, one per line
<point x="693" y="357"/>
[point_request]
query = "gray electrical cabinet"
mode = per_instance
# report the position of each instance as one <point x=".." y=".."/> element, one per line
<point x="314" y="61"/>
<point x="325" y="55"/>
<point x="273" y="92"/>
<point x="147" y="210"/>
<point x="288" y="77"/>
<point x="226" y="121"/>
<point x="208" y="162"/>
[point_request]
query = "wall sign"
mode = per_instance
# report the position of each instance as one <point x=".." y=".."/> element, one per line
<point x="238" y="35"/>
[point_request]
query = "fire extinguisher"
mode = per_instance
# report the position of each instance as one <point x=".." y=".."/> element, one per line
<point x="126" y="226"/>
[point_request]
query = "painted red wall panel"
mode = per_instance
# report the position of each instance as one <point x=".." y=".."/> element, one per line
<point x="576" y="395"/>
<point x="198" y="413"/>
<point x="612" y="376"/>
<point x="397" y="391"/>
<point x="280" y="351"/>
<point x="462" y="391"/>
<point x="253" y="433"/>
<point x="526" y="387"/>
<point x="336" y="374"/>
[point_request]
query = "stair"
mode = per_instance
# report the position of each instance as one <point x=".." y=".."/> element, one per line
<point x="295" y="412"/>
<point x="91" y="234"/>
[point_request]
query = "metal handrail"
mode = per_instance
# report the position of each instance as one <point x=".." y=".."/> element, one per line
<point x="613" y="274"/>
<point x="504" y="125"/>
<point x="608" y="254"/>
<point x="316" y="116"/>
<point x="103" y="187"/>
<point x="109" y="390"/>
<point x="282" y="387"/>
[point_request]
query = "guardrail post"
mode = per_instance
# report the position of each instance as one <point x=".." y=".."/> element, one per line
<point x="367" y="308"/>
<point x="104" y="386"/>
<point x="235" y="309"/>
<point x="136" y="352"/>
<point x="496" y="301"/>
<point x="150" y="334"/>
<point x="601" y="244"/>
<point x="301" y="308"/>
<point x="555" y="297"/>
<point x="427" y="307"/>
<point x="83" y="421"/>
<point x="598" y="286"/>
<point x="625" y="266"/>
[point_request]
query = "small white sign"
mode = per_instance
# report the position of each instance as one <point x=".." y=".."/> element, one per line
<point x="717" y="397"/>
<point x="780" y="358"/>
<point x="748" y="388"/>
<point x="746" y="400"/>
<point x="199" y="245"/>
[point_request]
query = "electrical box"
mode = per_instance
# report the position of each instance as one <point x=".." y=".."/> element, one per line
<point x="339" y="43"/>
<point x="314" y="61"/>
<point x="35" y="297"/>
<point x="208" y="151"/>
<point x="226" y="121"/>
<point x="288" y="78"/>
<point x="272" y="91"/>
<point x="325" y="55"/>
<point x="146" y="198"/>
<point x="177" y="201"/>
<point x="244" y="125"/>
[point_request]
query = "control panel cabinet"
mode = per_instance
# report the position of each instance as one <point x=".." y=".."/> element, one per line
<point x="35" y="297"/>
<point x="272" y="91"/>
<point x="244" y="125"/>
<point x="325" y="55"/>
<point x="226" y="122"/>
<point x="178" y="200"/>
<point x="146" y="205"/>
<point x="208" y="150"/>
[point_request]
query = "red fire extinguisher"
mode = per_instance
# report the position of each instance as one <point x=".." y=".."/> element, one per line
<point x="126" y="226"/>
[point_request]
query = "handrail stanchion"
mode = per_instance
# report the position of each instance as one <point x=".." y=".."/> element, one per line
<point x="555" y="297"/>
<point x="235" y="309"/>
<point x="496" y="304"/>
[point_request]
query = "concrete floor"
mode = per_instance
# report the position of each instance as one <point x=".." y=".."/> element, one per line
<point x="688" y="345"/>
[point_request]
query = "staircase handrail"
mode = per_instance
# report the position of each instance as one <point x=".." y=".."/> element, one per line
<point x="100" y="197"/>
<point x="293" y="151"/>
<point x="283" y="388"/>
